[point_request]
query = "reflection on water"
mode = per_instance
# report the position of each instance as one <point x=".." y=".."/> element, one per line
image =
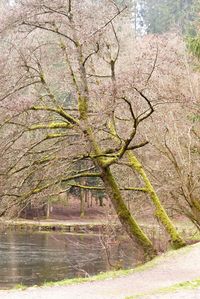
<point x="33" y="258"/>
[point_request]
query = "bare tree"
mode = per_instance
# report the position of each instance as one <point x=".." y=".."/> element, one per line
<point x="174" y="168"/>
<point x="80" y="105"/>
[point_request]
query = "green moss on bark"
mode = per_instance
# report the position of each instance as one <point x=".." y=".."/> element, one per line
<point x="82" y="107"/>
<point x="129" y="223"/>
<point x="160" y="213"/>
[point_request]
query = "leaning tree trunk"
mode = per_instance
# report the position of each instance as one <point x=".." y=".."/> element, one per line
<point x="128" y="222"/>
<point x="160" y="213"/>
<point x="112" y="189"/>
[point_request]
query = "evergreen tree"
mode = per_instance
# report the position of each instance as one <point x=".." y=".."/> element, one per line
<point x="158" y="16"/>
<point x="193" y="39"/>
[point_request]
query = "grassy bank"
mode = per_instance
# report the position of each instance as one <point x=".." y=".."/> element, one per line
<point x="187" y="285"/>
<point x="115" y="274"/>
<point x="72" y="281"/>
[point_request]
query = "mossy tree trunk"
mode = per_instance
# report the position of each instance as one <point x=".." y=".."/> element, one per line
<point x="128" y="222"/>
<point x="131" y="226"/>
<point x="100" y="160"/>
<point x="160" y="213"/>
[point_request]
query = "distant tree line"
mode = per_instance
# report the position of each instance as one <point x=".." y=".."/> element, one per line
<point x="158" y="16"/>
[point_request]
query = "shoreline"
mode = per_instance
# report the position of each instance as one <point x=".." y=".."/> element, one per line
<point x="71" y="226"/>
<point x="110" y="275"/>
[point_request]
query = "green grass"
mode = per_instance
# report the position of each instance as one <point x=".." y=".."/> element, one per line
<point x="101" y="276"/>
<point x="20" y="286"/>
<point x="66" y="282"/>
<point x="186" y="285"/>
<point x="193" y="284"/>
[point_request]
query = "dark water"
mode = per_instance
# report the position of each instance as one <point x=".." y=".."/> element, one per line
<point x="33" y="258"/>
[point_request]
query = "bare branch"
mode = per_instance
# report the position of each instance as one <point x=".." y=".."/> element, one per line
<point x="153" y="67"/>
<point x="107" y="23"/>
<point x="81" y="175"/>
<point x="54" y="125"/>
<point x="149" y="111"/>
<point x="42" y="27"/>
<point x="103" y="189"/>
<point x="91" y="54"/>
<point x="57" y="110"/>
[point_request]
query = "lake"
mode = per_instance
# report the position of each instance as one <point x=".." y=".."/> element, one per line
<point x="34" y="258"/>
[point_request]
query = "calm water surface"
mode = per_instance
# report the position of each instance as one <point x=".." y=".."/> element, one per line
<point x="33" y="258"/>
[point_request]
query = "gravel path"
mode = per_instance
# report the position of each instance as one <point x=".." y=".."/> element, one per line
<point x="179" y="266"/>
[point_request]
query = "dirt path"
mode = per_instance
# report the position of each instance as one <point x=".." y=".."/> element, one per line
<point x="175" y="267"/>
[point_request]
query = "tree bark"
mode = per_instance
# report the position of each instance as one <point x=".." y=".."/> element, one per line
<point x="160" y="213"/>
<point x="47" y="210"/>
<point x="128" y="222"/>
<point x="82" y="203"/>
<point x="112" y="189"/>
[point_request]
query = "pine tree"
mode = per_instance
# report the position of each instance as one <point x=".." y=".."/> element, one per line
<point x="159" y="16"/>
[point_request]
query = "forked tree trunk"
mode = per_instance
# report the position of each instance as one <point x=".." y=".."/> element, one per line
<point x="160" y="213"/>
<point x="128" y="222"/>
<point x="112" y="189"/>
